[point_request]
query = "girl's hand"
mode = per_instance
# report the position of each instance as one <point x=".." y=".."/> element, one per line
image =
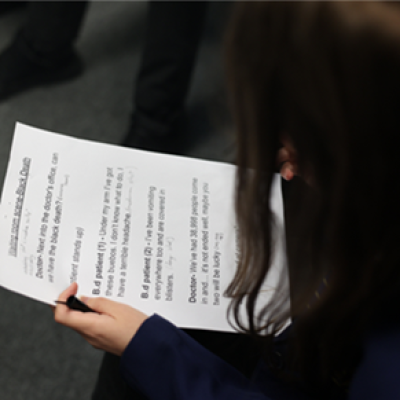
<point x="111" y="328"/>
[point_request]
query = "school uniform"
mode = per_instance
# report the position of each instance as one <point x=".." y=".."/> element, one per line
<point x="163" y="362"/>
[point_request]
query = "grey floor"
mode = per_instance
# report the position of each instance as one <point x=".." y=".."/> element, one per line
<point x="38" y="358"/>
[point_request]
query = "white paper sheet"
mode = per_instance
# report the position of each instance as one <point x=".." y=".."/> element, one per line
<point x="146" y="229"/>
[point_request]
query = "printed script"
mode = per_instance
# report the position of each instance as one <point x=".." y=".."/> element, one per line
<point x="154" y="231"/>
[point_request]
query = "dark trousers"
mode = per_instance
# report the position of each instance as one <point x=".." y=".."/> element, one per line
<point x="173" y="32"/>
<point x="51" y="28"/>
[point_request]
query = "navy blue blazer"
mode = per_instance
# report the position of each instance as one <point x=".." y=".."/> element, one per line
<point x="164" y="363"/>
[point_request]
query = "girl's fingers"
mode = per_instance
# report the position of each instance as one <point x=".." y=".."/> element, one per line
<point x="69" y="291"/>
<point x="62" y="313"/>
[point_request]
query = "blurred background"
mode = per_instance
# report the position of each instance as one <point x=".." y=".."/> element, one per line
<point x="39" y="359"/>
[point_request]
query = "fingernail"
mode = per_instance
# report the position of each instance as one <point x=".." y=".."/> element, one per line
<point x="83" y="299"/>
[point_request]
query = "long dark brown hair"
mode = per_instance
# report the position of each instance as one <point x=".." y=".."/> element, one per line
<point x="326" y="75"/>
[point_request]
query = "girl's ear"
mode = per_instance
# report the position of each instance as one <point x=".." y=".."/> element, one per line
<point x="287" y="159"/>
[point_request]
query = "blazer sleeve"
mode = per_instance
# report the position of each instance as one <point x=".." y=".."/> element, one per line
<point x="378" y="375"/>
<point x="165" y="363"/>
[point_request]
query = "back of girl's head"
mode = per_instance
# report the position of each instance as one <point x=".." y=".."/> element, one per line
<point x="326" y="76"/>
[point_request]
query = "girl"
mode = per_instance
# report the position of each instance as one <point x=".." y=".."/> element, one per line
<point x="321" y="79"/>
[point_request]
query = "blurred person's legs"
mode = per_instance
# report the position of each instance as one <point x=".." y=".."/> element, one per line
<point x="173" y="32"/>
<point x="7" y="6"/>
<point x="42" y="52"/>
